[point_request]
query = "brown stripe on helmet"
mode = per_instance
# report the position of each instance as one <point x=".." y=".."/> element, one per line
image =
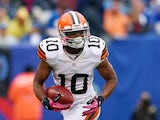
<point x="73" y="18"/>
<point x="78" y="17"/>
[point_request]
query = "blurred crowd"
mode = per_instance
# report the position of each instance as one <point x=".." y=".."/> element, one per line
<point x="145" y="109"/>
<point x="29" y="21"/>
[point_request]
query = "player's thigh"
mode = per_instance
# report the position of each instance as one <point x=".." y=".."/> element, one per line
<point x="75" y="113"/>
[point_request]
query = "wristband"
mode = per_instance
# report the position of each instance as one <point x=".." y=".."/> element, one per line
<point x="100" y="100"/>
<point x="46" y="104"/>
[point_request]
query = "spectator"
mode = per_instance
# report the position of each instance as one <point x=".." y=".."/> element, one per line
<point x="29" y="4"/>
<point x="139" y="16"/>
<point x="145" y="110"/>
<point x="5" y="39"/>
<point x="93" y="15"/>
<point x="34" y="37"/>
<point x="21" y="24"/>
<point x="47" y="5"/>
<point x="4" y="18"/>
<point x="71" y="4"/>
<point x="13" y="6"/>
<point x="115" y="22"/>
<point x="51" y="26"/>
<point x="154" y="7"/>
<point x="25" y="105"/>
<point x="37" y="11"/>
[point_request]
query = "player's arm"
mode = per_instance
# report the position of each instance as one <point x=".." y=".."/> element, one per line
<point x="41" y="76"/>
<point x="107" y="72"/>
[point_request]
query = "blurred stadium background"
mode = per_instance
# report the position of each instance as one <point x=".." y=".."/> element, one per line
<point x="135" y="58"/>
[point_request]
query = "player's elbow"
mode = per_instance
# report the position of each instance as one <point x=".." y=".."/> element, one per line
<point x="113" y="80"/>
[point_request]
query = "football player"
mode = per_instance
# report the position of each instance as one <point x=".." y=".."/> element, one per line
<point x="72" y="59"/>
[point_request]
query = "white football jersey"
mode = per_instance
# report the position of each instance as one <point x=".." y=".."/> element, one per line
<point x="75" y="74"/>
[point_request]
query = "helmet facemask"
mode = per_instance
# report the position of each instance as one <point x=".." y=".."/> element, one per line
<point x="75" y="37"/>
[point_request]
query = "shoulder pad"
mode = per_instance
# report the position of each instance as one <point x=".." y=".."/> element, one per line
<point x="48" y="48"/>
<point x="98" y="47"/>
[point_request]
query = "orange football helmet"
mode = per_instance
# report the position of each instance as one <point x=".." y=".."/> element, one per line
<point x="73" y="29"/>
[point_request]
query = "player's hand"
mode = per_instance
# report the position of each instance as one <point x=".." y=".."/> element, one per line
<point x="54" y="105"/>
<point x="94" y="104"/>
<point x="46" y="103"/>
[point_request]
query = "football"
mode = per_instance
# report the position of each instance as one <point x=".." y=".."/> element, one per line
<point x="61" y="93"/>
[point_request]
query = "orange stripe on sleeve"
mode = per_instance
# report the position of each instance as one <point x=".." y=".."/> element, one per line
<point x="104" y="53"/>
<point x="41" y="54"/>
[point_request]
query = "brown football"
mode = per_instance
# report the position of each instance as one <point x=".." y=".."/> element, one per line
<point x="54" y="92"/>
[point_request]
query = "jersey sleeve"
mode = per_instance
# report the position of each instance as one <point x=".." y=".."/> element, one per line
<point x="41" y="52"/>
<point x="104" y="53"/>
<point x="98" y="48"/>
<point x="47" y="49"/>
